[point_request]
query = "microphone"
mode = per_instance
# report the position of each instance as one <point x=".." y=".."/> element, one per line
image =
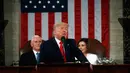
<point x="63" y="39"/>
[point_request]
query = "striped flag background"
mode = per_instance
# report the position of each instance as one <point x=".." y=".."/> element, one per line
<point x="86" y="19"/>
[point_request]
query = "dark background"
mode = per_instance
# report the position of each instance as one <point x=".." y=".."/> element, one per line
<point x="126" y="32"/>
<point x="2" y="59"/>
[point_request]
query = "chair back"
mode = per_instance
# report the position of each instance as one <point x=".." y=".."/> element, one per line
<point x="27" y="47"/>
<point x="96" y="47"/>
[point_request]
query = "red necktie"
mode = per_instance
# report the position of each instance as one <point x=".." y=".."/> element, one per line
<point x="62" y="51"/>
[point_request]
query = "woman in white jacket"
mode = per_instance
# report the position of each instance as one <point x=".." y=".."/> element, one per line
<point x="82" y="45"/>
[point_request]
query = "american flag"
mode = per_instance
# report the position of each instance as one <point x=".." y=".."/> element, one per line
<point x="86" y="19"/>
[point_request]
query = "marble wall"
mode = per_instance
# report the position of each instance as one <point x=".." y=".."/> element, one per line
<point x="116" y="31"/>
<point x="12" y="13"/>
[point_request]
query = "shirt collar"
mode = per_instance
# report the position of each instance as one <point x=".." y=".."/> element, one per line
<point x="57" y="41"/>
<point x="35" y="51"/>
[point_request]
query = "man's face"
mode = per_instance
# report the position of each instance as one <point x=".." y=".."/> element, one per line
<point x="60" y="31"/>
<point x="36" y="42"/>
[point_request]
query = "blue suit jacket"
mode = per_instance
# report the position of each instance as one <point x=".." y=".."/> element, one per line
<point x="50" y="52"/>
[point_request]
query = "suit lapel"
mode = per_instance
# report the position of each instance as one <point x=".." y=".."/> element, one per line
<point x="67" y="49"/>
<point x="56" y="47"/>
<point x="55" y="44"/>
<point x="33" y="57"/>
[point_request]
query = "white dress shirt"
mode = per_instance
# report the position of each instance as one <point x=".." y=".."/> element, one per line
<point x="35" y="53"/>
<point x="58" y="41"/>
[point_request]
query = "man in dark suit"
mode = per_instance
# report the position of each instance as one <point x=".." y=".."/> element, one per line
<point x="51" y="49"/>
<point x="31" y="58"/>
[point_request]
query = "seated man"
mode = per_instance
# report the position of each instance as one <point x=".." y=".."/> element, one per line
<point x="31" y="58"/>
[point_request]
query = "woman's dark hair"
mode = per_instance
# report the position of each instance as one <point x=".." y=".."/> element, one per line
<point x="84" y="40"/>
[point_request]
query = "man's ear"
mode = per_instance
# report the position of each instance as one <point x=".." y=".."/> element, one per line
<point x="31" y="43"/>
<point x="53" y="33"/>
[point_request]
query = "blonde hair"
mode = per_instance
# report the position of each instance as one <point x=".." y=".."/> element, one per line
<point x="57" y="25"/>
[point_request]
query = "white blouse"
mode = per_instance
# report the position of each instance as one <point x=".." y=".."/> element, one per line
<point x="92" y="58"/>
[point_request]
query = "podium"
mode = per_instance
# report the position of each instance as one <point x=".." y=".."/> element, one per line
<point x="64" y="68"/>
<point x="17" y="69"/>
<point x="124" y="68"/>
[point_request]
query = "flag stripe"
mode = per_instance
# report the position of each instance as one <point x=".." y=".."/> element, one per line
<point x="65" y="17"/>
<point x="24" y="27"/>
<point x="91" y="18"/>
<point x="71" y="17"/>
<point x="44" y="28"/>
<point x="105" y="26"/>
<point x="51" y="18"/>
<point x="84" y="18"/>
<point x="77" y="19"/>
<point x="38" y="23"/>
<point x="57" y="17"/>
<point x="97" y="23"/>
<point x="31" y="25"/>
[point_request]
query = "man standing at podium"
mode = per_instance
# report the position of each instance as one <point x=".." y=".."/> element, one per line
<point x="59" y="49"/>
<point x="31" y="58"/>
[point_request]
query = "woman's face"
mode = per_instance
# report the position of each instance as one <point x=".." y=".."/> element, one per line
<point x="82" y="46"/>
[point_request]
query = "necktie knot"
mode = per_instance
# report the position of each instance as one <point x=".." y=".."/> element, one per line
<point x="37" y="54"/>
<point x="61" y="43"/>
